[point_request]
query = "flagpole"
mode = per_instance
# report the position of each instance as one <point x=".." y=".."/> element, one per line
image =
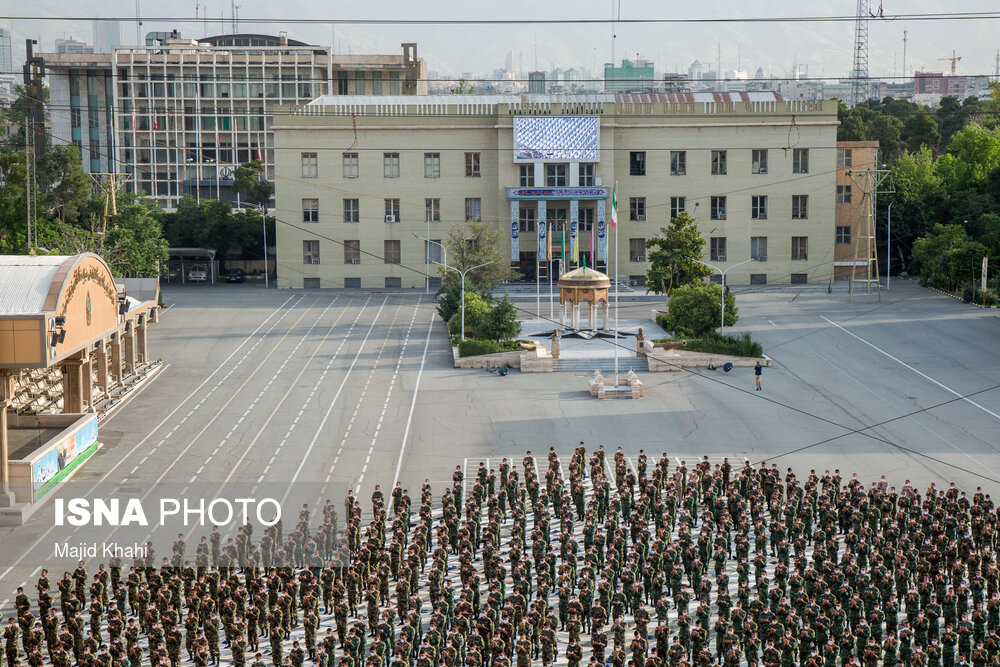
<point x="616" y="284"/>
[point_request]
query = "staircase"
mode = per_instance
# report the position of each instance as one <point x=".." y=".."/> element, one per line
<point x="604" y="364"/>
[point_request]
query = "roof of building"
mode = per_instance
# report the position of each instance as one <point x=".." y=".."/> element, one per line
<point x="534" y="98"/>
<point x="584" y="275"/>
<point x="25" y="281"/>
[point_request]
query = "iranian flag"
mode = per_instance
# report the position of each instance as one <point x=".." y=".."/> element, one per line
<point x="614" y="207"/>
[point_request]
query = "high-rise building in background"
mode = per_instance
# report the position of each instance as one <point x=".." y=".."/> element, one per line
<point x="6" y="56"/>
<point x="536" y="82"/>
<point x="107" y="35"/>
<point x="632" y="75"/>
<point x="70" y="45"/>
<point x="180" y="114"/>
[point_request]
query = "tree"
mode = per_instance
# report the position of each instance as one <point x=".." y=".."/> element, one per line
<point x="947" y="257"/>
<point x="888" y="132"/>
<point x="250" y="180"/>
<point x="464" y="88"/>
<point x="500" y="323"/>
<point x="477" y="309"/>
<point x="473" y="244"/>
<point x="694" y="309"/>
<point x="671" y="262"/>
<point x="134" y="246"/>
<point x="921" y="131"/>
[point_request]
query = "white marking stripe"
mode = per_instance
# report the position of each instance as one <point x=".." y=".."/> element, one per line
<point x="923" y="375"/>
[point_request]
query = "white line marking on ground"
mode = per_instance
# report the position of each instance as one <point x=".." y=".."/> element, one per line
<point x="413" y="403"/>
<point x="923" y="375"/>
<point x="772" y="323"/>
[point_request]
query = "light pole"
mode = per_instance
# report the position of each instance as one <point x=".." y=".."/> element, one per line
<point x="263" y="226"/>
<point x="888" y="244"/>
<point x="722" y="301"/>
<point x="427" y="257"/>
<point x="462" y="273"/>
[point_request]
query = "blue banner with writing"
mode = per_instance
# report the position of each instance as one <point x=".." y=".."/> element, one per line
<point x="543" y="251"/>
<point x="515" y="233"/>
<point x="602" y="233"/>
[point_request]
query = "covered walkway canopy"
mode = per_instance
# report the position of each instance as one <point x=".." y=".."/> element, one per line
<point x="70" y="335"/>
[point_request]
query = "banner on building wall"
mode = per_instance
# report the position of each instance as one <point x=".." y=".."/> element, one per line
<point x="574" y="236"/>
<point x="602" y="233"/>
<point x="515" y="235"/>
<point x="543" y="253"/>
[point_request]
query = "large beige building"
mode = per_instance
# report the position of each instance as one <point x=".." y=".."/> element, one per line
<point x="359" y="179"/>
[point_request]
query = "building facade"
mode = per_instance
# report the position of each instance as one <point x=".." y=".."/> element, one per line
<point x="360" y="182"/>
<point x="179" y="115"/>
<point x="854" y="159"/>
<point x="632" y="75"/>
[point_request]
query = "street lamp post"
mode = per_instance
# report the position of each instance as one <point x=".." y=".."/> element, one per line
<point x="462" y="273"/>
<point x="263" y="226"/>
<point x="722" y="301"/>
<point x="888" y="245"/>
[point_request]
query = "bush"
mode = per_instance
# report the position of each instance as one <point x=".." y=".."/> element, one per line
<point x="499" y="324"/>
<point x="973" y="294"/>
<point x="471" y="347"/>
<point x="694" y="309"/>
<point x="477" y="310"/>
<point x="741" y="345"/>
<point x="449" y="299"/>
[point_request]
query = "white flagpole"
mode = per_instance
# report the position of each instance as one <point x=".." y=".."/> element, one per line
<point x="615" y="213"/>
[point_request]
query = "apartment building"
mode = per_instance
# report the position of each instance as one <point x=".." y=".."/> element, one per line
<point x="179" y="115"/>
<point x="360" y="180"/>
<point x="854" y="159"/>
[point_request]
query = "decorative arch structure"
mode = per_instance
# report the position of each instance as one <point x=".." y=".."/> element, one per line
<point x="579" y="286"/>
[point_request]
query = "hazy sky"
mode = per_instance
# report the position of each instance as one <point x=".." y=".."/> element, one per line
<point x="825" y="48"/>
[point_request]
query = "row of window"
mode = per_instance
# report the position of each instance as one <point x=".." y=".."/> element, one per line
<point x="432" y="210"/>
<point x="351" y="164"/>
<point x="391" y="250"/>
<point x="720" y="162"/>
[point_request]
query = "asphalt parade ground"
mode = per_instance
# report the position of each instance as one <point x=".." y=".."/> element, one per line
<point x="301" y="396"/>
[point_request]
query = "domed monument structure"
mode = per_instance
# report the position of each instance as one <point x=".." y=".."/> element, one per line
<point x="583" y="285"/>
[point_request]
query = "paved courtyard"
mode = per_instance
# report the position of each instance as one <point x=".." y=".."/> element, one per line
<point x="304" y="395"/>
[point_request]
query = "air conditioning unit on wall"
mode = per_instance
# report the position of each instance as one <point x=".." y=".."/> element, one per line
<point x="390" y="218"/>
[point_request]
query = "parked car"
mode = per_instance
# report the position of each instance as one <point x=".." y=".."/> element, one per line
<point x="197" y="274"/>
<point x="235" y="276"/>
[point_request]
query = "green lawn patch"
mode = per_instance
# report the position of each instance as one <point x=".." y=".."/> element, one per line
<point x="741" y="345"/>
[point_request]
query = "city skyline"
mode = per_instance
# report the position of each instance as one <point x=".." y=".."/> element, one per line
<point x="822" y="49"/>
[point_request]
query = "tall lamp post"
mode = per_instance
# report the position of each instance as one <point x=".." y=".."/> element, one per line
<point x="462" y="273"/>
<point x="722" y="304"/>
<point x="263" y="226"/>
<point x="888" y="244"/>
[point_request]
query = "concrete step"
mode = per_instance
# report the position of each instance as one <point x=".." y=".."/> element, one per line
<point x="605" y="365"/>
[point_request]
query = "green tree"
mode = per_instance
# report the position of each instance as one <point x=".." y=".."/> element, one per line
<point x="477" y="309"/>
<point x="670" y="262"/>
<point x="973" y="154"/>
<point x="475" y="244"/>
<point x="694" y="309"/>
<point x="250" y="181"/>
<point x="464" y="88"/>
<point x="947" y="257"/>
<point x="134" y="246"/>
<point x="500" y="323"/>
<point x="921" y="129"/>
<point x="888" y="132"/>
<point x="13" y="231"/>
<point x="852" y="126"/>
<point x="950" y="117"/>
<point x="63" y="187"/>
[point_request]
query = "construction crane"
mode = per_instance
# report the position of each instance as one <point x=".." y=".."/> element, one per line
<point x="954" y="61"/>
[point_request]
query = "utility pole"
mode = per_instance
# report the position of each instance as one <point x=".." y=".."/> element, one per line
<point x="865" y="247"/>
<point x="34" y="134"/>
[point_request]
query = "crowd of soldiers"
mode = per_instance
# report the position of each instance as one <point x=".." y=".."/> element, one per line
<point x="606" y="560"/>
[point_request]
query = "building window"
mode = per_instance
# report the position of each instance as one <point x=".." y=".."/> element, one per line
<point x="352" y="210"/>
<point x="758" y="278"/>
<point x="432" y="250"/>
<point x="800" y="161"/>
<point x="637" y="163"/>
<point x="555" y="175"/>
<point x="677" y="206"/>
<point x="527" y="175"/>
<point x="310" y="210"/>
<point x="342" y="83"/>
<point x="392" y="210"/>
<point x="758" y="248"/>
<point x="845" y="157"/>
<point x="390" y="251"/>
<point x="586" y="222"/>
<point x="843" y="194"/>
<point x="800" y="207"/>
<point x="310" y="165"/>
<point x="432" y="165"/>
<point x="473" y="209"/>
<point x="759" y="161"/>
<point x="844" y="235"/>
<point x="526" y="219"/>
<point x="717" y="246"/>
<point x="799" y="278"/>
<point x="432" y="210"/>
<point x="758" y="207"/>
<point x="310" y="252"/>
<point x="718" y="163"/>
<point x="586" y="174"/>
<point x="718" y="205"/>
<point x="637" y="250"/>
<point x="376" y="83"/>
<point x="359" y="83"/>
<point x="800" y="247"/>
<point x="637" y="209"/>
<point x="351" y="167"/>
<point x="390" y="165"/>
<point x="678" y="163"/>
<point x="472" y="165"/>
<point x="352" y="252"/>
